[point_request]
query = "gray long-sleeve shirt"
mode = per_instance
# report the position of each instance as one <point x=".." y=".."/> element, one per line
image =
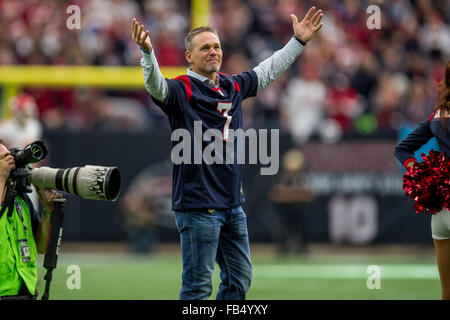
<point x="267" y="71"/>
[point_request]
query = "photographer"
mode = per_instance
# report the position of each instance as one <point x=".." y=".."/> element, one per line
<point x="23" y="234"/>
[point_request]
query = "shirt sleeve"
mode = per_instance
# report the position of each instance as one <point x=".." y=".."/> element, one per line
<point x="404" y="151"/>
<point x="165" y="93"/>
<point x="271" y="68"/>
<point x="246" y="83"/>
<point x="154" y="81"/>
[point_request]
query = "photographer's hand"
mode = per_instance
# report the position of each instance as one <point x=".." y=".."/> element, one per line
<point x="46" y="198"/>
<point x="6" y="165"/>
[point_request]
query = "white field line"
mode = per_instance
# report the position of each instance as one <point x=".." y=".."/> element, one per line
<point x="350" y="271"/>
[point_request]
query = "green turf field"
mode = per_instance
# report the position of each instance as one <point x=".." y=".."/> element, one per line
<point x="122" y="276"/>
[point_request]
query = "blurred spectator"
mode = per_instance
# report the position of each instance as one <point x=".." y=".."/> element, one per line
<point x="343" y="102"/>
<point x="419" y="103"/>
<point x="146" y="205"/>
<point x="364" y="80"/>
<point x="303" y="103"/>
<point x="435" y="34"/>
<point x="23" y="127"/>
<point x="290" y="195"/>
<point x="388" y="99"/>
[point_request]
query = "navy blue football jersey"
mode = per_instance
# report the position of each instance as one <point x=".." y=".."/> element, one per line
<point x="200" y="185"/>
<point x="424" y="131"/>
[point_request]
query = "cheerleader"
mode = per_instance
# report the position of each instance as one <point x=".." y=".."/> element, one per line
<point x="437" y="126"/>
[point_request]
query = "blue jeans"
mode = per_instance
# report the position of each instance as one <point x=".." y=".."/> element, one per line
<point x="219" y="236"/>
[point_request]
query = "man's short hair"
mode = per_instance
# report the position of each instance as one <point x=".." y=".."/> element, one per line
<point x="188" y="43"/>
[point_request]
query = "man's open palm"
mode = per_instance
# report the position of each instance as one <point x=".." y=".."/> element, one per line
<point x="140" y="37"/>
<point x="305" y="29"/>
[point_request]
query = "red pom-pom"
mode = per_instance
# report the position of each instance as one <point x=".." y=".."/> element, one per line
<point x="428" y="183"/>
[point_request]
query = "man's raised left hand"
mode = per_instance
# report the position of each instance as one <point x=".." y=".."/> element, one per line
<point x="305" y="29"/>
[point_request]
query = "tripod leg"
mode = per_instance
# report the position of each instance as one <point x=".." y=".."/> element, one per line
<point x="48" y="278"/>
<point x="51" y="255"/>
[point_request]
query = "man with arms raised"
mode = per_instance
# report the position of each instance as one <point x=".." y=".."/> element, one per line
<point x="207" y="199"/>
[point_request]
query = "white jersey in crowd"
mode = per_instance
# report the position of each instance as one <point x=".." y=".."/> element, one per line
<point x="17" y="136"/>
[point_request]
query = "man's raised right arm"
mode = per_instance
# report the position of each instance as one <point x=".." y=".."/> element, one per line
<point x="155" y="83"/>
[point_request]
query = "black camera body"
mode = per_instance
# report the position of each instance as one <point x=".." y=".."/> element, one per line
<point x="20" y="177"/>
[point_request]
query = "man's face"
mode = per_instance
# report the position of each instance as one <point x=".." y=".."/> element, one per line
<point x="206" y="55"/>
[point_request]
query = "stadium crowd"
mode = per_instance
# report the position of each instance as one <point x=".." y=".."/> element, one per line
<point x="349" y="80"/>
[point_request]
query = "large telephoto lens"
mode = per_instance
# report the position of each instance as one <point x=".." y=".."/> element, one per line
<point x="89" y="182"/>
